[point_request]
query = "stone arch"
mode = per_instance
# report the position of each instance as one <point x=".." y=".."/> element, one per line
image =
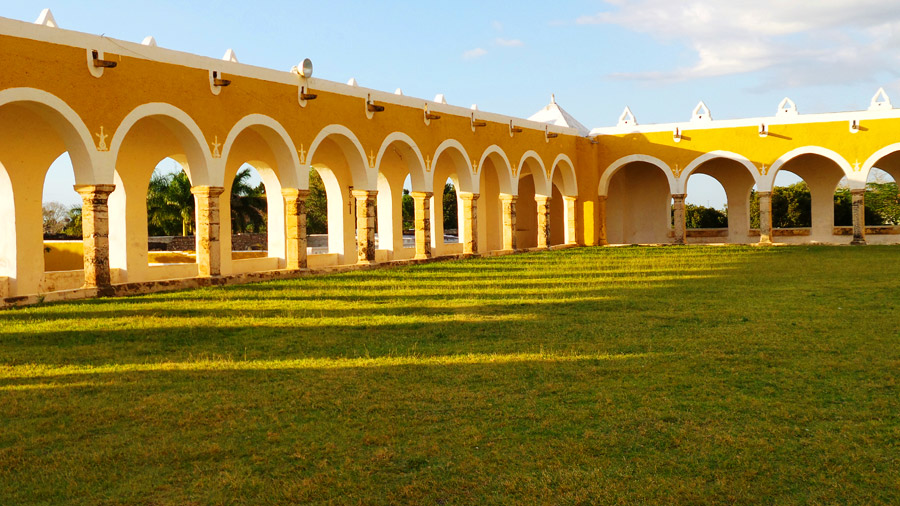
<point x="353" y="151"/>
<point x="36" y="127"/>
<point x="638" y="200"/>
<point x="417" y="173"/>
<point x="461" y="161"/>
<point x="532" y="163"/>
<point x="276" y="136"/>
<point x="736" y="175"/>
<point x="275" y="159"/>
<point x="822" y="180"/>
<point x="767" y="182"/>
<point x="498" y="156"/>
<point x="681" y="186"/>
<point x="859" y="179"/>
<point x="495" y="179"/>
<point x="68" y="124"/>
<point x="603" y="188"/>
<point x="198" y="163"/>
<point x="567" y="171"/>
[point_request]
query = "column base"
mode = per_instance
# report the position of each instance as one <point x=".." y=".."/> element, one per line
<point x="858" y="242"/>
<point x="366" y="262"/>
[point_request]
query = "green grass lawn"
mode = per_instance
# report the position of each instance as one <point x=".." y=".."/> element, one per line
<point x="669" y="375"/>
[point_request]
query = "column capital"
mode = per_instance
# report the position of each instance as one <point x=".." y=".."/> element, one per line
<point x="506" y="197"/>
<point x="90" y="190"/>
<point x="294" y="193"/>
<point x="468" y="195"/>
<point x="364" y="194"/>
<point x="542" y="199"/>
<point x="764" y="194"/>
<point x="857" y="191"/>
<point x="567" y="198"/>
<point x="421" y="195"/>
<point x="207" y="191"/>
<point x="679" y="196"/>
<point x="601" y="198"/>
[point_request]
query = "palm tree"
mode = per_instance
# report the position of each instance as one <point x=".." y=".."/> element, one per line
<point x="170" y="204"/>
<point x="248" y="204"/>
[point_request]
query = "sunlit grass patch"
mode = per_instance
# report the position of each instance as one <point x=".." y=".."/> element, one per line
<point x="593" y="375"/>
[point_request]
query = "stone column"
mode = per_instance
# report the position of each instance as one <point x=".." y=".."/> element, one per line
<point x="570" y="219"/>
<point x="509" y="220"/>
<point x="365" y="225"/>
<point x="95" y="234"/>
<point x="295" y="227"/>
<point x="859" y="216"/>
<point x="543" y="221"/>
<point x="765" y="217"/>
<point x="678" y="216"/>
<point x="601" y="220"/>
<point x="423" y="223"/>
<point x="470" y="218"/>
<point x="209" y="250"/>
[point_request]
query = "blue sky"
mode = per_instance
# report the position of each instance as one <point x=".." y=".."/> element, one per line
<point x="660" y="57"/>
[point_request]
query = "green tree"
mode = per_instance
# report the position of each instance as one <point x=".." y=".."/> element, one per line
<point x="791" y="206"/>
<point x="170" y="205"/>
<point x="73" y="227"/>
<point x="704" y="217"/>
<point x="451" y="220"/>
<point x="316" y="205"/>
<point x="248" y="204"/>
<point x="883" y="198"/>
<point x="408" y="205"/>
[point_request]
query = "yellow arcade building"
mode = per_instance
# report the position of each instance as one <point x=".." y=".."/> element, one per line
<point x="118" y="108"/>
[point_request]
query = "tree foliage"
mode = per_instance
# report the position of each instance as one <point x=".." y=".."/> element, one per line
<point x="248" y="204"/>
<point x="408" y="207"/>
<point x="451" y="218"/>
<point x="316" y="205"/>
<point x="170" y="205"/>
<point x="704" y="217"/>
<point x="60" y="221"/>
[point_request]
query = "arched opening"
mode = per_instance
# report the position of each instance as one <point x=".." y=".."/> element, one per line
<point x="252" y="209"/>
<point x="532" y="184"/>
<point x="882" y="201"/>
<point x="451" y="177"/>
<point x="447" y="212"/>
<point x="494" y="179"/>
<point x="339" y="163"/>
<point x="803" y="199"/>
<point x="395" y="207"/>
<point x="33" y="137"/>
<point x="61" y="213"/>
<point x="638" y="205"/>
<point x="159" y="158"/>
<point x="717" y="202"/>
<point x="171" y="216"/>
<point x="562" y="206"/>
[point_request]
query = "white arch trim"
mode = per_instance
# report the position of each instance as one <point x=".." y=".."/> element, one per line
<point x="767" y="182"/>
<point x="196" y="147"/>
<point x="289" y="166"/>
<point x="81" y="147"/>
<point x="603" y="188"/>
<point x="464" y="174"/>
<point x="544" y="188"/>
<point x="863" y="176"/>
<point x="506" y="186"/>
<point x="712" y="155"/>
<point x="570" y="180"/>
<point x="419" y="178"/>
<point x="369" y="181"/>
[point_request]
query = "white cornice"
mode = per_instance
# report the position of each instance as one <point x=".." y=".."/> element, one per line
<point x="25" y="30"/>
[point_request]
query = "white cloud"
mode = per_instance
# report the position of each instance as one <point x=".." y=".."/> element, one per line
<point x="509" y="42"/>
<point x="790" y="42"/>
<point x="474" y="53"/>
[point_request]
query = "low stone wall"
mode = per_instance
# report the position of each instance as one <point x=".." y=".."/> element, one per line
<point x="239" y="242"/>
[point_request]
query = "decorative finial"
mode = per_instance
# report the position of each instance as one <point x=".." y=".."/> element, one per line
<point x="553" y="98"/>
